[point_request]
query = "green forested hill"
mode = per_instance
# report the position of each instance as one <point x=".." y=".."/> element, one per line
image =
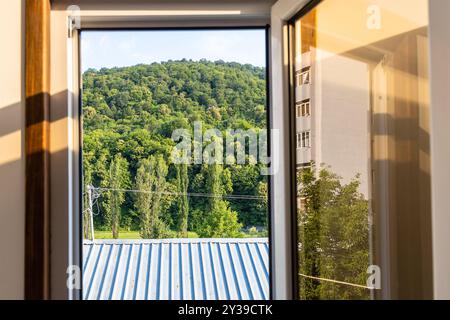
<point x="129" y="115"/>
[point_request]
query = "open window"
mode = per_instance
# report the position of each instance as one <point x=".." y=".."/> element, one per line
<point x="363" y="210"/>
<point x="357" y="86"/>
<point x="175" y="196"/>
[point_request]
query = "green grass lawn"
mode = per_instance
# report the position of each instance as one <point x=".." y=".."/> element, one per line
<point x="135" y="235"/>
<point x="129" y="235"/>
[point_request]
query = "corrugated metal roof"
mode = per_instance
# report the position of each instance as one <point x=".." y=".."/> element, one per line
<point x="197" y="269"/>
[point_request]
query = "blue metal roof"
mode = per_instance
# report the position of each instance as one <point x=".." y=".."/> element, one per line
<point x="178" y="269"/>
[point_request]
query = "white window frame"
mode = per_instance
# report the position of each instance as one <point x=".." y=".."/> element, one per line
<point x="439" y="37"/>
<point x="307" y="106"/>
<point x="65" y="88"/>
<point x="64" y="143"/>
<point x="303" y="77"/>
<point x="303" y="109"/>
<point x="306" y="139"/>
<point x="282" y="237"/>
<point x="303" y="140"/>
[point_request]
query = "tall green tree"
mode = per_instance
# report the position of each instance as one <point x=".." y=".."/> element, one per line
<point x="145" y="180"/>
<point x="183" y="203"/>
<point x="219" y="221"/>
<point x="151" y="183"/>
<point x="333" y="236"/>
<point x="214" y="186"/>
<point x="247" y="180"/>
<point x="117" y="180"/>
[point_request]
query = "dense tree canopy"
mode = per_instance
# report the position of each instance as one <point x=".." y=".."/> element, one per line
<point x="133" y="111"/>
<point x="333" y="235"/>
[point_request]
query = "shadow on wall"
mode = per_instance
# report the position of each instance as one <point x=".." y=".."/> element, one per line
<point x="12" y="204"/>
<point x="12" y="196"/>
<point x="12" y="164"/>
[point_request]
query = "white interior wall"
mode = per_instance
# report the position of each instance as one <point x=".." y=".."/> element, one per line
<point x="12" y="163"/>
<point x="440" y="146"/>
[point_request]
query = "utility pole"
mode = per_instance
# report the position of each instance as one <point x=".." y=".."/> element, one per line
<point x="91" y="212"/>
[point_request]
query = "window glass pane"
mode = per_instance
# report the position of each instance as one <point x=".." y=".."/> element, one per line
<point x="299" y="110"/>
<point x="175" y="165"/>
<point x="363" y="207"/>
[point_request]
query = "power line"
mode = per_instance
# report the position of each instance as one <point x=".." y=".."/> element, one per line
<point x="335" y="281"/>
<point x="189" y="194"/>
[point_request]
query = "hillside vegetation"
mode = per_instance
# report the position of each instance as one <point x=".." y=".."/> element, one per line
<point x="129" y="115"/>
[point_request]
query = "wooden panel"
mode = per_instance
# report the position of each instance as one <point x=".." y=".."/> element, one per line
<point x="37" y="88"/>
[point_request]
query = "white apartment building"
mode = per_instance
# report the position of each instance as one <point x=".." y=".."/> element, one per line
<point x="332" y="114"/>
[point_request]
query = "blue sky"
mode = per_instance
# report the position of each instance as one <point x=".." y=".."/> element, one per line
<point x="126" y="48"/>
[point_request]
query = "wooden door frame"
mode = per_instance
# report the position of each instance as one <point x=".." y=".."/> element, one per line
<point x="37" y="149"/>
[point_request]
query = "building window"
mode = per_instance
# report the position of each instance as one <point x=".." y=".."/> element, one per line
<point x="303" y="77"/>
<point x="303" y="109"/>
<point x="303" y="140"/>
